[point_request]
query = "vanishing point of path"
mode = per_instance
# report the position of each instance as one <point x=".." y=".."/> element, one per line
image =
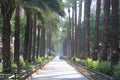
<point x="58" y="70"/>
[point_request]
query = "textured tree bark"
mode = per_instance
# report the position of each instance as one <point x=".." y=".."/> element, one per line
<point x="83" y="42"/>
<point x="38" y="43"/>
<point x="78" y="28"/>
<point x="17" y="37"/>
<point x="75" y="25"/>
<point x="96" y="33"/>
<point x="30" y="38"/>
<point x="26" y="41"/>
<point x="49" y="45"/>
<point x="7" y="10"/>
<point x="114" y="37"/>
<point x="87" y="27"/>
<point x="106" y="23"/>
<point x="34" y="39"/>
<point x="42" y="46"/>
<point x="73" y="36"/>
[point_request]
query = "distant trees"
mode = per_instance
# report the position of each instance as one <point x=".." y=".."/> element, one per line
<point x="97" y="36"/>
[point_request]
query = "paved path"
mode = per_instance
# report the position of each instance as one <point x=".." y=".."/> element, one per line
<point x="58" y="70"/>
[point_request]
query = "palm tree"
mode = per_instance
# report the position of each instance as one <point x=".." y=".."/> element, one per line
<point x="42" y="46"/>
<point x="87" y="27"/>
<point x="105" y="30"/>
<point x="72" y="36"/>
<point x="75" y="25"/>
<point x="83" y="35"/>
<point x="96" y="33"/>
<point x="17" y="36"/>
<point x="114" y="36"/>
<point x="78" y="28"/>
<point x="26" y="41"/>
<point x="30" y="23"/>
<point x="7" y="8"/>
<point x="34" y="38"/>
<point x="54" y="6"/>
<point x="38" y="40"/>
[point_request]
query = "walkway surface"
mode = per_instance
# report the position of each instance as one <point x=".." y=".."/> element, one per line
<point x="58" y="70"/>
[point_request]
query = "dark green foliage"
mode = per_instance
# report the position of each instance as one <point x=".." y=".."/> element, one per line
<point x="104" y="67"/>
<point x="116" y="72"/>
<point x="55" y="5"/>
<point x="25" y="66"/>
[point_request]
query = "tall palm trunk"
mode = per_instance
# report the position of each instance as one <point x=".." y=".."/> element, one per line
<point x="78" y="28"/>
<point x="72" y="39"/>
<point x="34" y="38"/>
<point x="17" y="36"/>
<point x="105" y="30"/>
<point x="87" y="27"/>
<point x="96" y="33"/>
<point x="7" y="10"/>
<point x="38" y="42"/>
<point x="115" y="25"/>
<point x="76" y="37"/>
<point x="70" y="46"/>
<point x="64" y="47"/>
<point x="30" y="37"/>
<point x="49" y="36"/>
<point x="83" y="41"/>
<point x="26" y="40"/>
<point x="42" y="46"/>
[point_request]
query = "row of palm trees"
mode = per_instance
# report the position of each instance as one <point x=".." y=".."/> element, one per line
<point x="35" y="11"/>
<point x="80" y="36"/>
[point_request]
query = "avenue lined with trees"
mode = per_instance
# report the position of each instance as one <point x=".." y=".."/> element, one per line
<point x="84" y="31"/>
<point x="94" y="40"/>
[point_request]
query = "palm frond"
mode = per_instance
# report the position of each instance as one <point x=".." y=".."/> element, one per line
<point x="55" y="5"/>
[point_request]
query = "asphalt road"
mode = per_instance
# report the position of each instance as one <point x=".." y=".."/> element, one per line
<point x="58" y="70"/>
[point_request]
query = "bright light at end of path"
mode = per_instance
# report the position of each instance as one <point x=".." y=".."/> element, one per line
<point x="56" y="58"/>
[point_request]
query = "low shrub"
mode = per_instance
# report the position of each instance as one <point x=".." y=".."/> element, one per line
<point x="89" y="62"/>
<point x="104" y="67"/>
<point x="77" y="59"/>
<point x="95" y="65"/>
<point x="14" y="67"/>
<point x="43" y="59"/>
<point x="39" y="60"/>
<point x="116" y="72"/>
<point x="30" y="67"/>
<point x="73" y="58"/>
<point x="50" y="57"/>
